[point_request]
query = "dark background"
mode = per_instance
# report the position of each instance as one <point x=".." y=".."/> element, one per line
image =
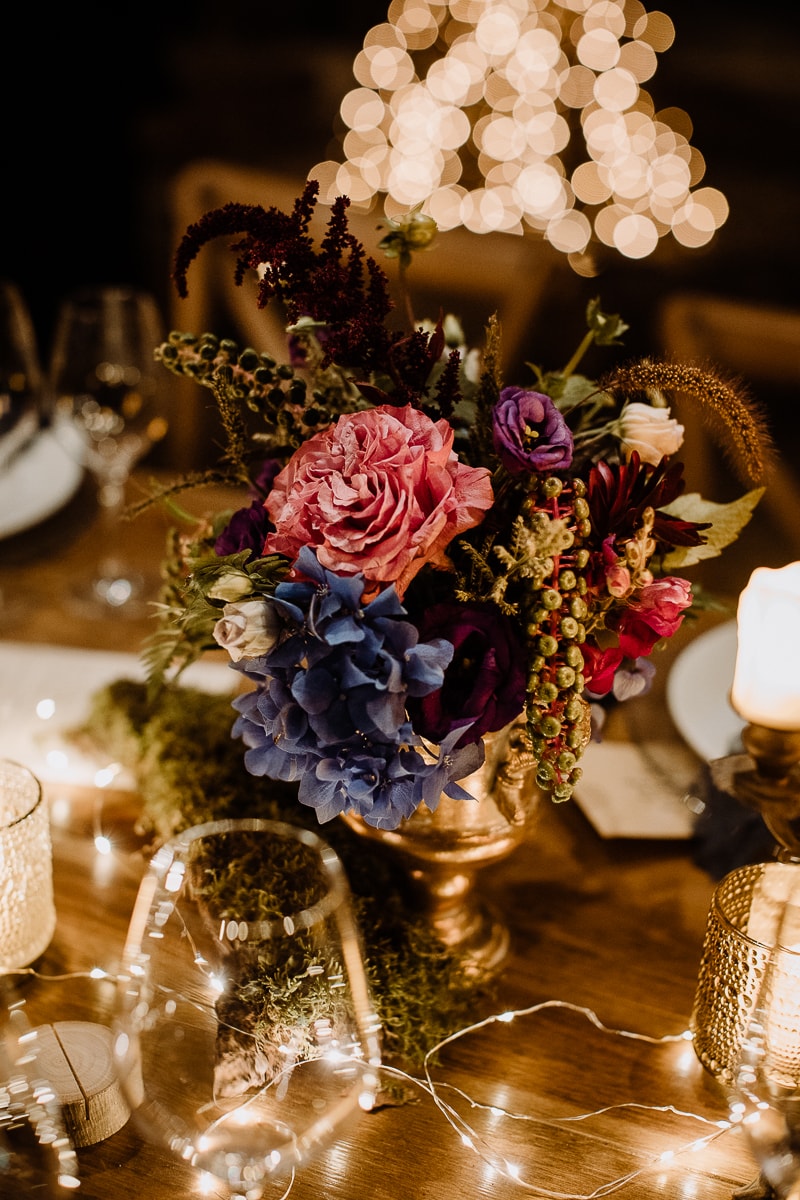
<point x="100" y="107"/>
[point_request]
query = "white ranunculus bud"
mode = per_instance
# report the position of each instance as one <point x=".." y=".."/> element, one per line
<point x="248" y="629"/>
<point x="652" y="432"/>
<point x="232" y="586"/>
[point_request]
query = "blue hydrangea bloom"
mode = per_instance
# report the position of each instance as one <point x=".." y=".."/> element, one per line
<point x="379" y="782"/>
<point x="329" y="707"/>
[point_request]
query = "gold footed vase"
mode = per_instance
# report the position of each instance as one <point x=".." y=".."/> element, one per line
<point x="444" y="850"/>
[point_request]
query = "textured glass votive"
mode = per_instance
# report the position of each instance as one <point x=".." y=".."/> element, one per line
<point x="732" y="969"/>
<point x="27" y="910"/>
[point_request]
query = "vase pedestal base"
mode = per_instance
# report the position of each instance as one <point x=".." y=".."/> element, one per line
<point x="444" y="850"/>
<point x="464" y="922"/>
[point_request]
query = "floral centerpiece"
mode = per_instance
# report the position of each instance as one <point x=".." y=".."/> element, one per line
<point x="426" y="552"/>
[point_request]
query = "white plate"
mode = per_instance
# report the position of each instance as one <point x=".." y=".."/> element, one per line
<point x="39" y="482"/>
<point x="698" y="688"/>
<point x="50" y="695"/>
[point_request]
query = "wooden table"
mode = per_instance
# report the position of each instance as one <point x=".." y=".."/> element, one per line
<point x="615" y="926"/>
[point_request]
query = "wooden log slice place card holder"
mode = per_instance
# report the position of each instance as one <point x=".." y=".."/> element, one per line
<point x="75" y="1057"/>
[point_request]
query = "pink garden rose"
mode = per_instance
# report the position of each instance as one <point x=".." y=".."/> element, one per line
<point x="381" y="492"/>
<point x="657" y="612"/>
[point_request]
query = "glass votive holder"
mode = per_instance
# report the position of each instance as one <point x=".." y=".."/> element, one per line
<point x="27" y="908"/>
<point x="747" y="910"/>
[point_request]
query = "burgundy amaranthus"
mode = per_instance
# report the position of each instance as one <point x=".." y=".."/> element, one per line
<point x="338" y="287"/>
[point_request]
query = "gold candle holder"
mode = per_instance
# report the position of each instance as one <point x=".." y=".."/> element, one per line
<point x="766" y="692"/>
<point x="754" y="920"/>
<point x="27" y="909"/>
<point x="731" y="970"/>
<point x="740" y="936"/>
<point x="767" y="778"/>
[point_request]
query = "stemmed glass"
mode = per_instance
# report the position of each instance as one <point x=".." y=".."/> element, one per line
<point x="766" y="1092"/>
<point x="245" y="1037"/>
<point x="20" y="394"/>
<point x="20" y="374"/>
<point x="105" y="393"/>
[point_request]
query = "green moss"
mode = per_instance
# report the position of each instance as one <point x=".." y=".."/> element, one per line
<point x="190" y="770"/>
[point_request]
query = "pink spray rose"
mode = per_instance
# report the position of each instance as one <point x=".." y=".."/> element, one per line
<point x="600" y="666"/>
<point x="617" y="575"/>
<point x="657" y="612"/>
<point x="381" y="492"/>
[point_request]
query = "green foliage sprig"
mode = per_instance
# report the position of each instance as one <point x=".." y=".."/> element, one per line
<point x="189" y="609"/>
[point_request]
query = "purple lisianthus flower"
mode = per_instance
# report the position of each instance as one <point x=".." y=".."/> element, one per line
<point x="248" y="527"/>
<point x="529" y="433"/>
<point x="262" y="485"/>
<point x="484" y="685"/>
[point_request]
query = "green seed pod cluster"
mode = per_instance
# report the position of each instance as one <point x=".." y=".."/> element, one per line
<point x="287" y="409"/>
<point x="554" y="618"/>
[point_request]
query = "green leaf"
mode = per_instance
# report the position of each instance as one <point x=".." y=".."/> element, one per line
<point x="607" y="328"/>
<point x="576" y="389"/>
<point x="728" y="520"/>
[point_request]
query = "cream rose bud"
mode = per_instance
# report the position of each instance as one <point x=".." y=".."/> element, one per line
<point x="248" y="629"/>
<point x="652" y="432"/>
<point x="232" y="586"/>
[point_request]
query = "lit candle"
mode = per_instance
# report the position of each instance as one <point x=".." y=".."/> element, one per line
<point x="766" y="681"/>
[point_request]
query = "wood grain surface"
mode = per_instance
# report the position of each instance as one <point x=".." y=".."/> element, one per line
<point x="613" y="926"/>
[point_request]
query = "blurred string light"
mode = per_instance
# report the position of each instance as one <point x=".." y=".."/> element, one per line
<point x="489" y="1149"/>
<point x="515" y="115"/>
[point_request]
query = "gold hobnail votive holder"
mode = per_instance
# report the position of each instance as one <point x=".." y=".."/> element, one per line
<point x="27" y="908"/>
<point x="732" y="969"/>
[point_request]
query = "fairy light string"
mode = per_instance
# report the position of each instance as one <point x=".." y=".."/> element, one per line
<point x="506" y="1169"/>
<point x="445" y="1095"/>
<point x="438" y="1091"/>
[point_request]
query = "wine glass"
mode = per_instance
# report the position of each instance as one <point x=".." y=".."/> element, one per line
<point x="20" y="398"/>
<point x="244" y="1033"/>
<point x="105" y="395"/>
<point x="20" y="374"/>
<point x="766" y="1091"/>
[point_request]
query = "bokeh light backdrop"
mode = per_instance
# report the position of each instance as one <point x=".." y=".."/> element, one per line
<point x="520" y="115"/>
